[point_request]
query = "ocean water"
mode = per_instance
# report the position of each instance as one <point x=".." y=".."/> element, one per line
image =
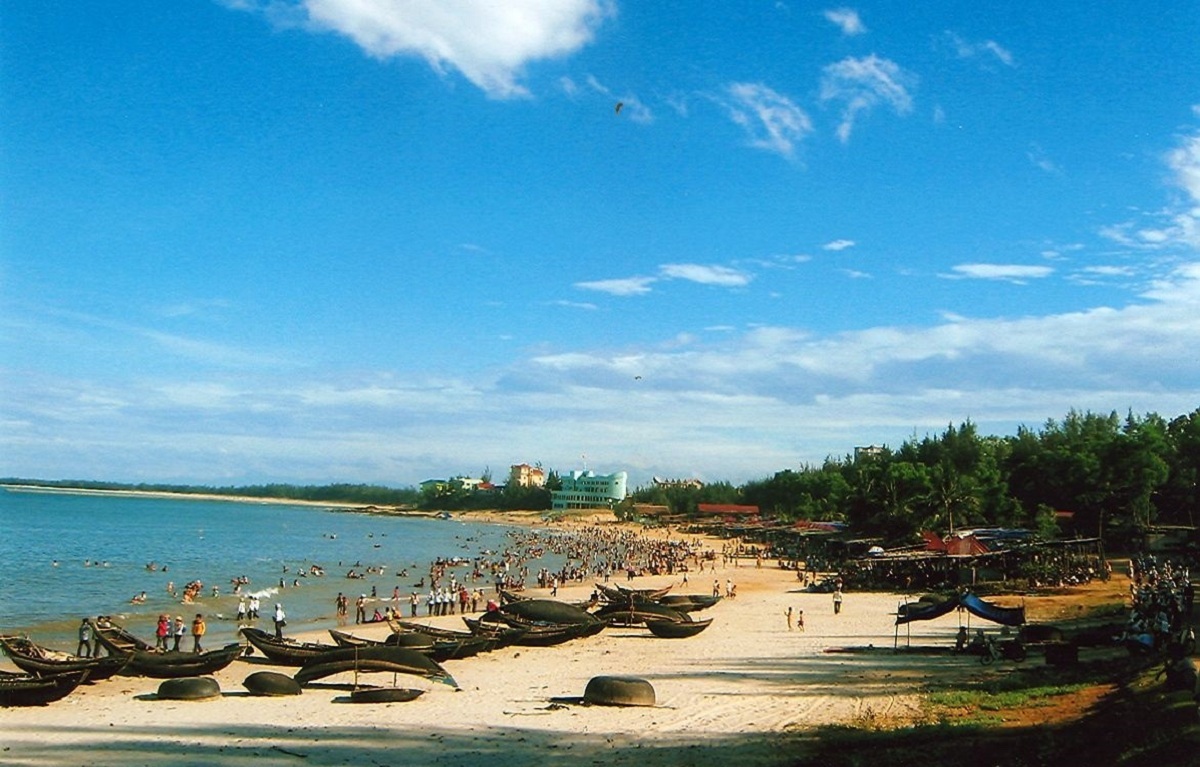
<point x="66" y="555"/>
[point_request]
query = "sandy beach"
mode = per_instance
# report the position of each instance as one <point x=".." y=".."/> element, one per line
<point x="743" y="692"/>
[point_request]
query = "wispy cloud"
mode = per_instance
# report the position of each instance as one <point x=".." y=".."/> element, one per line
<point x="847" y="20"/>
<point x="489" y="43"/>
<point x="575" y="305"/>
<point x="1178" y="225"/>
<point x="862" y="84"/>
<point x="988" y="49"/>
<point x="702" y="274"/>
<point x="627" y="286"/>
<point x="721" y="276"/>
<point x="630" y="106"/>
<point x="1016" y="273"/>
<point x="771" y="120"/>
<point x="1038" y="158"/>
<point x="837" y="245"/>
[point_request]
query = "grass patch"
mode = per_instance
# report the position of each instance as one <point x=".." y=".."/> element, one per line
<point x="1000" y="699"/>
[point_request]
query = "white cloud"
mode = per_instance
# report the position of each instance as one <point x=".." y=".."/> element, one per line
<point x="489" y="43"/>
<point x="1109" y="271"/>
<point x="837" y="245"/>
<point x="1177" y="226"/>
<point x="1018" y="273"/>
<point x="988" y="48"/>
<point x="863" y="84"/>
<point x="626" y="105"/>
<point x="628" y="286"/>
<point x="771" y="120"/>
<point x="847" y="20"/>
<point x="575" y="305"/>
<point x="721" y="276"/>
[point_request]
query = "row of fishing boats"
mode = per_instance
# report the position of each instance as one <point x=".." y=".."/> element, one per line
<point x="48" y="675"/>
<point x="411" y="648"/>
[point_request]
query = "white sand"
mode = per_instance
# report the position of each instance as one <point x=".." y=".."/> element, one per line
<point x="739" y="693"/>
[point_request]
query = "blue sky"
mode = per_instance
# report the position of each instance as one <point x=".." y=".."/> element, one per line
<point x="386" y="240"/>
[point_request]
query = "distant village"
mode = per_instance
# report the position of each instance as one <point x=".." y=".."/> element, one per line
<point x="580" y="489"/>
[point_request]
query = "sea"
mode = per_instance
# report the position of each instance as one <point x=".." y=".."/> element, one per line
<point x="67" y="555"/>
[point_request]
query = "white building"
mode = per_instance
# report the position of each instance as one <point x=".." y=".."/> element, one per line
<point x="524" y="475"/>
<point x="588" y="490"/>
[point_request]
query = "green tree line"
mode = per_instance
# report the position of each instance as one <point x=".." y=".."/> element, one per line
<point x="1116" y="476"/>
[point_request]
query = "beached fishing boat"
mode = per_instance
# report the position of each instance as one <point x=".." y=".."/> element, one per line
<point x="549" y="611"/>
<point x="623" y="594"/>
<point x="399" y="660"/>
<point x="384" y="694"/>
<point x="502" y="635"/>
<point x="439" y="648"/>
<point x="118" y="641"/>
<point x="34" y="690"/>
<point x="636" y="613"/>
<point x="175" y="665"/>
<point x="36" y="659"/>
<point x="689" y="603"/>
<point x="285" y="652"/>
<point x="677" y="629"/>
<point x="533" y="634"/>
<point x="145" y="660"/>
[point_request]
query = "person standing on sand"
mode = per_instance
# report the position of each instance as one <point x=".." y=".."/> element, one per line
<point x="161" y="632"/>
<point x="198" y="630"/>
<point x="837" y="601"/>
<point x="85" y="639"/>
<point x="177" y="632"/>
<point x="280" y="620"/>
<point x="788" y="614"/>
<point x="799" y="620"/>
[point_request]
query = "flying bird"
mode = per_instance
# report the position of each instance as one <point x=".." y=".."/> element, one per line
<point x="620" y="105"/>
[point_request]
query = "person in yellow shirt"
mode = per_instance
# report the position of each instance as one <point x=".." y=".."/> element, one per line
<point x="198" y="629"/>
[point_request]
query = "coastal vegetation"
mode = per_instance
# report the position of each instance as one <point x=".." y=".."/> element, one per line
<point x="1088" y="474"/>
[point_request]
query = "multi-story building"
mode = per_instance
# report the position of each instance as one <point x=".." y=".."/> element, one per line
<point x="524" y="475"/>
<point x="689" y="483"/>
<point x="588" y="490"/>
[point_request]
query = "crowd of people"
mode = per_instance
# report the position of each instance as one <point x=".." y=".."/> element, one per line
<point x="1163" y="599"/>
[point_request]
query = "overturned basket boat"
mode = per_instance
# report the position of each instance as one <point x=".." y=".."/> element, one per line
<point x="677" y="630"/>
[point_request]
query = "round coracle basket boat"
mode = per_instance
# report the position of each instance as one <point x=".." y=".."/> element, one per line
<point x="618" y="691"/>
<point x="189" y="688"/>
<point x="271" y="684"/>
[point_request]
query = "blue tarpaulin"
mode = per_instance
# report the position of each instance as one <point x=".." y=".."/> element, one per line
<point x="1006" y="616"/>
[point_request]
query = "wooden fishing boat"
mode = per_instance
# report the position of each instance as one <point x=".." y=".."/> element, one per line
<point x="400" y="660"/>
<point x="689" y="603"/>
<point x="33" y="690"/>
<point x="547" y="611"/>
<point x="439" y="648"/>
<point x="536" y="635"/>
<point x="285" y="652"/>
<point x="636" y="613"/>
<point x="118" y="641"/>
<point x="623" y="594"/>
<point x="493" y="637"/>
<point x="145" y="660"/>
<point x="384" y="694"/>
<point x="677" y="630"/>
<point x="174" y="665"/>
<point x="36" y="659"/>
